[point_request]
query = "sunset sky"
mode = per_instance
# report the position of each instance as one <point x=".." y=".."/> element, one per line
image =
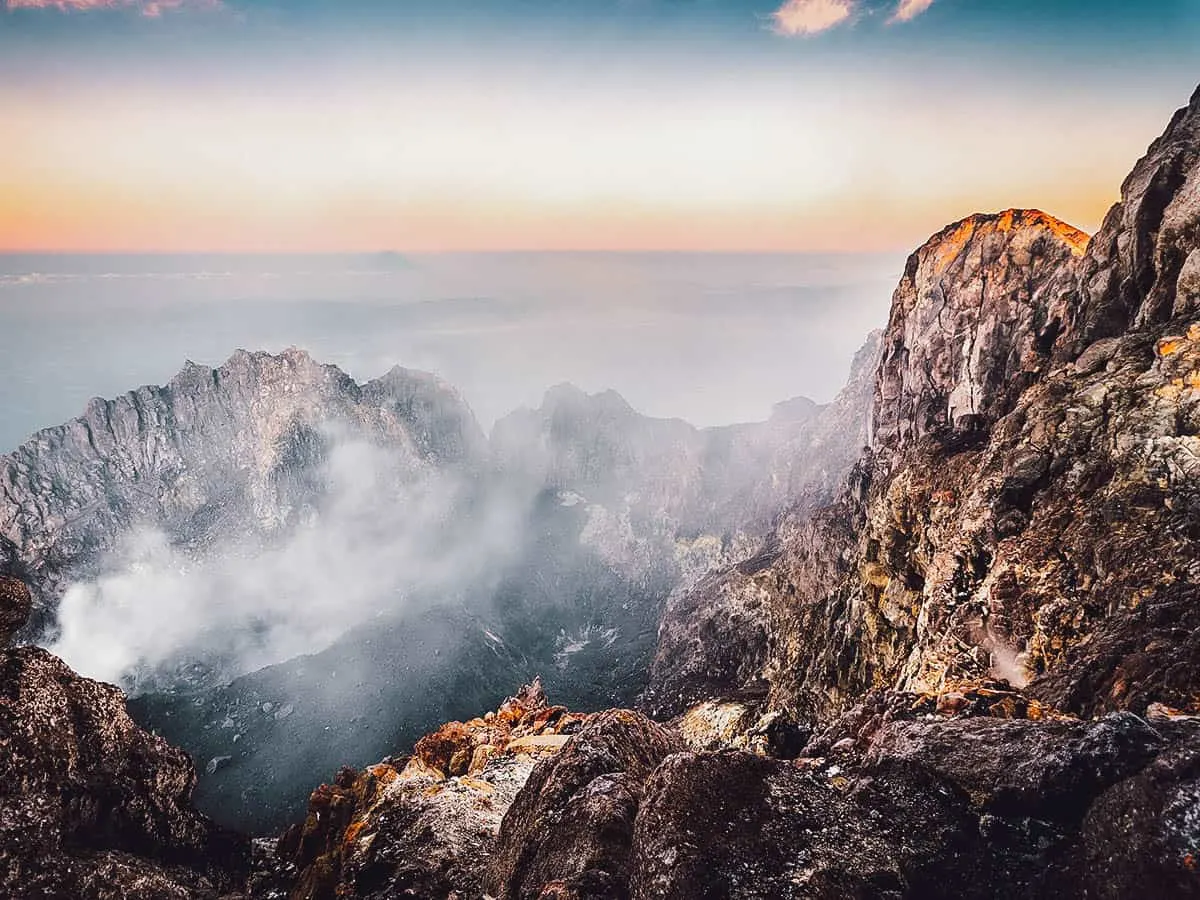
<point x="429" y="125"/>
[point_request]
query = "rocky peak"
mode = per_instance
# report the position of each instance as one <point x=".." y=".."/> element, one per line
<point x="967" y="330"/>
<point x="231" y="452"/>
<point x="1143" y="266"/>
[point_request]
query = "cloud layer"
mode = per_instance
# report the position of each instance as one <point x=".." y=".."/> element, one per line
<point x="152" y="9"/>
<point x="807" y="17"/>
<point x="804" y="17"/>
<point x="910" y="9"/>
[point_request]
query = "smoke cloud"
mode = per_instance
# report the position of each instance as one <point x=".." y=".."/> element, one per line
<point x="380" y="541"/>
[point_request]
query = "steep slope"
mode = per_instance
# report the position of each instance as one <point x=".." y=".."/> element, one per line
<point x="1027" y="507"/>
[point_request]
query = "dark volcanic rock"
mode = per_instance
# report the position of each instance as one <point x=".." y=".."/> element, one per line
<point x="91" y="805"/>
<point x="15" y="606"/>
<point x="568" y="833"/>
<point x="738" y="826"/>
<point x="1141" y="838"/>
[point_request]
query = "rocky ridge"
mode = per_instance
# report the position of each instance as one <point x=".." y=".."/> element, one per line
<point x="226" y="455"/>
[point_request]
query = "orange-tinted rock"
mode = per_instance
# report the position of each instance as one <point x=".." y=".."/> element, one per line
<point x="438" y="749"/>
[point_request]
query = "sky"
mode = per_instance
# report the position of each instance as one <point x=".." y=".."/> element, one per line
<point x="479" y="125"/>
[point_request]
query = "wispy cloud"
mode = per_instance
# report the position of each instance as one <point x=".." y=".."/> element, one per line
<point x="805" y="17"/>
<point x="151" y="9"/>
<point x="910" y="9"/>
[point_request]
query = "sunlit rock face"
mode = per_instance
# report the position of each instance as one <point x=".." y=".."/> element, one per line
<point x="1027" y="508"/>
<point x="969" y="326"/>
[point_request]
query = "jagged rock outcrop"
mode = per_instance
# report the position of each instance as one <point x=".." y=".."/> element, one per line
<point x="977" y="793"/>
<point x="221" y="455"/>
<point x="426" y="825"/>
<point x="968" y="326"/>
<point x="91" y="806"/>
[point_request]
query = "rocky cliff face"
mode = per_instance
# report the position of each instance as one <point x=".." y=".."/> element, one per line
<point x="974" y="674"/>
<point x="969" y="327"/>
<point x="1026" y="509"/>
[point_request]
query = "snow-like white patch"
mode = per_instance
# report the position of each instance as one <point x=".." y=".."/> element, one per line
<point x="570" y="644"/>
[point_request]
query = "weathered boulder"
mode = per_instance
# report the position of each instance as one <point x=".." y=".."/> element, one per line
<point x="569" y="831"/>
<point x="741" y="826"/>
<point x="91" y="806"/>
<point x="1141" y="838"/>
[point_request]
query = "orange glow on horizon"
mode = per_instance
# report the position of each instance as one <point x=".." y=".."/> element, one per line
<point x="533" y="169"/>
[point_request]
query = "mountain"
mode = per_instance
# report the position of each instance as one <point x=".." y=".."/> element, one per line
<point x="225" y="456"/>
<point x="967" y="668"/>
<point x="269" y="549"/>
